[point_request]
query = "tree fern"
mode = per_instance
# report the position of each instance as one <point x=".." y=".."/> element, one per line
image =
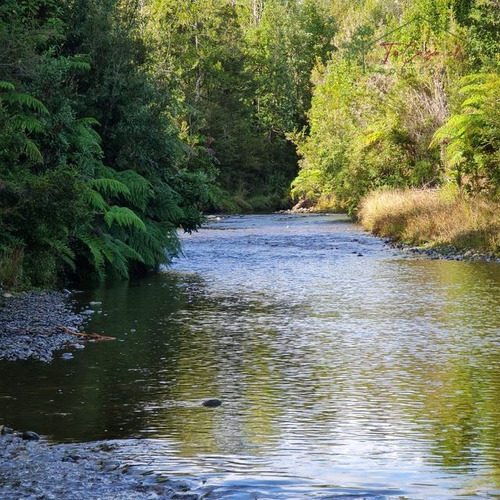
<point x="108" y="186"/>
<point x="471" y="138"/>
<point x="64" y="252"/>
<point x="124" y="217"/>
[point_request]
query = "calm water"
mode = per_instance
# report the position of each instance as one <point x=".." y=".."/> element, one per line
<point x="347" y="369"/>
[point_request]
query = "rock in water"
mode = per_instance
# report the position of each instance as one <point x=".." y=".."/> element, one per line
<point x="30" y="436"/>
<point x="212" y="403"/>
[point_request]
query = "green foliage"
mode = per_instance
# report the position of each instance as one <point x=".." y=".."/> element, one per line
<point x="471" y="138"/>
<point x="371" y="124"/>
<point x="90" y="158"/>
<point x="242" y="75"/>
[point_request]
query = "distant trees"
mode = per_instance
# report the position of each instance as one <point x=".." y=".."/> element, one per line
<point x="241" y="72"/>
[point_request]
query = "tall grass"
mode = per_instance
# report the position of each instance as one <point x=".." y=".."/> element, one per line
<point x="434" y="217"/>
<point x="11" y="266"/>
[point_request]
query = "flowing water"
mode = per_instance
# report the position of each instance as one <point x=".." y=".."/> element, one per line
<point x="347" y="369"/>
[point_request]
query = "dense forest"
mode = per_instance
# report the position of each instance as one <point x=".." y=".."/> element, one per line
<point x="124" y="120"/>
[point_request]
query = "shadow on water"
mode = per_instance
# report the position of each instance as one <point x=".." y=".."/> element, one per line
<point x="346" y="368"/>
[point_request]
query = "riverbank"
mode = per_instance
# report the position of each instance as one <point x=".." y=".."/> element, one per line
<point x="36" y="469"/>
<point x="32" y="326"/>
<point x="434" y="222"/>
<point x="35" y="324"/>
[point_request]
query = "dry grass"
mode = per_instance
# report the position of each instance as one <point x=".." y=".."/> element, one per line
<point x="433" y="217"/>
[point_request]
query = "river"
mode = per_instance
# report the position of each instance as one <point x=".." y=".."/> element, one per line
<point x="347" y="369"/>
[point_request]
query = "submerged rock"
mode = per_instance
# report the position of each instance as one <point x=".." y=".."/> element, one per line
<point x="212" y="403"/>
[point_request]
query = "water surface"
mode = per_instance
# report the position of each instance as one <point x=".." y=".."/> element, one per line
<point x="347" y="369"/>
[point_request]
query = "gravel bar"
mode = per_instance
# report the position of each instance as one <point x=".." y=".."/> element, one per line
<point x="31" y="325"/>
<point x="36" y="470"/>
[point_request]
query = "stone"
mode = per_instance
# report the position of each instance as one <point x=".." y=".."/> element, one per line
<point x="30" y="436"/>
<point x="212" y="403"/>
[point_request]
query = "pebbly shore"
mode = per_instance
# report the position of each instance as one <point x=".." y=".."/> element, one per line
<point x="36" y="470"/>
<point x="444" y="252"/>
<point x="32" y="325"/>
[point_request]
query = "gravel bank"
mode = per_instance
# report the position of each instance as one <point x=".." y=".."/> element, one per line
<point x="35" y="470"/>
<point x="445" y="253"/>
<point x="30" y="325"/>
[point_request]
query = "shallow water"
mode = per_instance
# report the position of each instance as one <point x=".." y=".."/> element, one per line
<point x="347" y="369"/>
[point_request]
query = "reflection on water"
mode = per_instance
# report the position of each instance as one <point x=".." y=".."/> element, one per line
<point x="347" y="370"/>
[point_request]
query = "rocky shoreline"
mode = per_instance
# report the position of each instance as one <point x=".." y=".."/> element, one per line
<point x="34" y="325"/>
<point x="36" y="470"/>
<point x="444" y="252"/>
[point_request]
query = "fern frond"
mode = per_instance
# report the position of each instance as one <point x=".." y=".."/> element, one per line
<point x="140" y="190"/>
<point x="95" y="246"/>
<point x="474" y="102"/>
<point x="25" y="100"/>
<point x="124" y="217"/>
<point x="165" y="204"/>
<point x="89" y="121"/>
<point x="127" y="251"/>
<point x="79" y="65"/>
<point x="63" y="250"/>
<point x="111" y="187"/>
<point x="7" y="86"/>
<point x="95" y="200"/>
<point x="456" y="127"/>
<point x="32" y="152"/>
<point x="26" y="123"/>
<point x="158" y="244"/>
